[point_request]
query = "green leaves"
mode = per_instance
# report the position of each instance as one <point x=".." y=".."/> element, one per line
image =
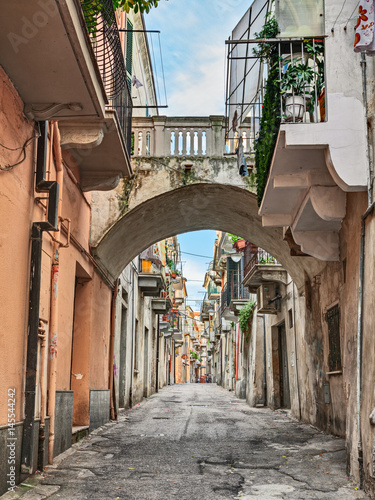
<point x="245" y="315"/>
<point x="136" y="5"/>
<point x="269" y="128"/>
<point x="297" y="78"/>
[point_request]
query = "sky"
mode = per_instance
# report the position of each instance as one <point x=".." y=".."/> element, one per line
<point x="193" y="34"/>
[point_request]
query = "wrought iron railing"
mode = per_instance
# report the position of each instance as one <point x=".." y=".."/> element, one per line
<point x="123" y="105"/>
<point x="237" y="290"/>
<point x="301" y="80"/>
<point x="260" y="258"/>
<point x="102" y="26"/>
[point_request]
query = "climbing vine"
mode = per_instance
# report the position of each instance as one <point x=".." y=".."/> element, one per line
<point x="270" y="121"/>
<point x="245" y="316"/>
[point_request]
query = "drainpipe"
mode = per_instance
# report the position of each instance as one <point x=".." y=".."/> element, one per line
<point x="43" y="392"/>
<point x="133" y="333"/>
<point x="42" y="185"/>
<point x="369" y="211"/>
<point x="368" y="145"/>
<point x="360" y="337"/>
<point x="265" y="361"/>
<point x="112" y="352"/>
<point x="52" y="382"/>
<point x="27" y="453"/>
<point x="157" y="355"/>
<point x="295" y="350"/>
<point x="237" y="348"/>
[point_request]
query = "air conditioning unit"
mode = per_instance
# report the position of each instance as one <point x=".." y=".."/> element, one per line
<point x="268" y="300"/>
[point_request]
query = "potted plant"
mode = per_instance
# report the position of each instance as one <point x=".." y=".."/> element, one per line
<point x="295" y="83"/>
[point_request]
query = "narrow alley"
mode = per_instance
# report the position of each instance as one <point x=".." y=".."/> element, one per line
<point x="198" y="441"/>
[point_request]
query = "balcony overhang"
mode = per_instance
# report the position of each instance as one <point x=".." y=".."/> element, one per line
<point x="178" y="337"/>
<point x="313" y="165"/>
<point x="45" y="49"/>
<point x="99" y="150"/>
<point x="263" y="273"/>
<point x="161" y="306"/>
<point x="150" y="284"/>
<point x="237" y="304"/>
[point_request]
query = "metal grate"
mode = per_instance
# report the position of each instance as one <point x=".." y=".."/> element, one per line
<point x="104" y="36"/>
<point x="333" y="320"/>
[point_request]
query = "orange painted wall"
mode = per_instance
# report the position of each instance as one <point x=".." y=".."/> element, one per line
<point x="16" y="213"/>
<point x="18" y="210"/>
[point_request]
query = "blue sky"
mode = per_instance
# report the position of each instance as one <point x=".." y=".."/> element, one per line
<point x="194" y="267"/>
<point x="193" y="34"/>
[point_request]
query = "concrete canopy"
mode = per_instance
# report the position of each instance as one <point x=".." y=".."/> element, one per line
<point x="192" y="208"/>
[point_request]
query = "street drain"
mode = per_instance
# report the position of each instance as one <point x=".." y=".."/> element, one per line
<point x="160" y="418"/>
<point x="202" y="406"/>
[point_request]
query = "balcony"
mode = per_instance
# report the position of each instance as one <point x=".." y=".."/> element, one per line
<point x="207" y="305"/>
<point x="263" y="268"/>
<point x="321" y="135"/>
<point x="233" y="296"/>
<point x="151" y="279"/>
<point x="161" y="306"/>
<point x="68" y="65"/>
<point x="213" y="291"/>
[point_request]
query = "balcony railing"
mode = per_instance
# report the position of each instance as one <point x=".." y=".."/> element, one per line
<point x="101" y="24"/>
<point x="233" y="290"/>
<point x="301" y="80"/>
<point x="261" y="257"/>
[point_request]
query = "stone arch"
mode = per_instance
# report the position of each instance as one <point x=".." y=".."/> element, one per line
<point x="191" y="208"/>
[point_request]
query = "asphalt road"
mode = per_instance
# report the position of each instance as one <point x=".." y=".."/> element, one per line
<point x="199" y="442"/>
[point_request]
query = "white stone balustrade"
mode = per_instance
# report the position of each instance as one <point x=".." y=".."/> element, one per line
<point x="162" y="136"/>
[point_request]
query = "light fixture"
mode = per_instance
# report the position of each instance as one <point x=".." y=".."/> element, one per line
<point x="236" y="257"/>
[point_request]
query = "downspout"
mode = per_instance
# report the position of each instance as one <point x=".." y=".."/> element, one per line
<point x="43" y="393"/>
<point x="133" y="333"/>
<point x="27" y="453"/>
<point x="237" y="348"/>
<point x="157" y="355"/>
<point x="265" y="361"/>
<point x="112" y="352"/>
<point x="42" y="185"/>
<point x="295" y="350"/>
<point x="52" y="382"/>
<point x="361" y="271"/>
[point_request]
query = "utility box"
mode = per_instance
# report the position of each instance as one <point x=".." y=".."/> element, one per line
<point x="267" y="301"/>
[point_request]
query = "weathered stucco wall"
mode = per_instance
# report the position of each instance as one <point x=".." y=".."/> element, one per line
<point x="17" y="210"/>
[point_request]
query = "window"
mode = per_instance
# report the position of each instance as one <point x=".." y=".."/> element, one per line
<point x="333" y="320"/>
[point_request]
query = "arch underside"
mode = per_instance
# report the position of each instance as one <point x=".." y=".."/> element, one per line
<point x="192" y="208"/>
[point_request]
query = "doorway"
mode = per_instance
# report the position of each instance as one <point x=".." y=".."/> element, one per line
<point x="284" y="372"/>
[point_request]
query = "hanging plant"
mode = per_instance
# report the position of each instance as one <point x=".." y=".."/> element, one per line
<point x="270" y="121"/>
<point x="245" y="316"/>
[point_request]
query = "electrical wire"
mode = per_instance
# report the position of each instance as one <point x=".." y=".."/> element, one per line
<point x="339" y="14"/>
<point x="350" y="17"/>
<point x="162" y="70"/>
<point x="23" y="148"/>
<point x="156" y="71"/>
<point x="196" y="255"/>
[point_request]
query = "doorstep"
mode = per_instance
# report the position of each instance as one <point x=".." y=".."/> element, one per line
<point x="79" y="432"/>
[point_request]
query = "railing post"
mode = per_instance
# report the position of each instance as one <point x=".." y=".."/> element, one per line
<point x="217" y="136"/>
<point x="158" y="148"/>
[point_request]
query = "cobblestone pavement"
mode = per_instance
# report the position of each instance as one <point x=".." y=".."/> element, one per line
<point x="199" y="442"/>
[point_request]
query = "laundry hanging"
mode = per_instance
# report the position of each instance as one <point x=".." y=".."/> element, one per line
<point x="364" y="33"/>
